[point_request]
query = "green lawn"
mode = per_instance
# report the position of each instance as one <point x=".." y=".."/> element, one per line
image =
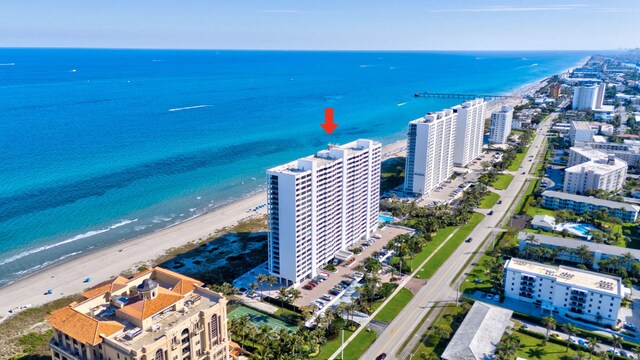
<point x="440" y="236"/>
<point x="515" y="165"/>
<point x="446" y="250"/>
<point x="393" y="307"/>
<point x="533" y="348"/>
<point x="502" y="181"/>
<point x="332" y="345"/>
<point x="489" y="200"/>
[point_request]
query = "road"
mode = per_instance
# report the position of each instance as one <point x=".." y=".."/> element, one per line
<point x="396" y="333"/>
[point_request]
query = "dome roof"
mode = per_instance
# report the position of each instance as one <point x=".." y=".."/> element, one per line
<point x="147" y="285"/>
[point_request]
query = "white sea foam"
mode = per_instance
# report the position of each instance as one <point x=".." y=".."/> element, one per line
<point x="8" y="64"/>
<point x="67" y="241"/>
<point x="403" y="103"/>
<point x="46" y="263"/>
<point x="190" y="107"/>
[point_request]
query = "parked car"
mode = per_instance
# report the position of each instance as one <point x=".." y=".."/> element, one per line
<point x="335" y="262"/>
<point x="491" y="212"/>
<point x="382" y="356"/>
<point x="499" y="202"/>
<point x="327" y="297"/>
<point x="335" y="291"/>
<point x="468" y="240"/>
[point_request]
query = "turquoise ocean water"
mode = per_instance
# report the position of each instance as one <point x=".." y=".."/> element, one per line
<point x="99" y="146"/>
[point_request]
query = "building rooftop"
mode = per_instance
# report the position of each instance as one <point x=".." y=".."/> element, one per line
<point x="569" y="276"/>
<point x="323" y="157"/>
<point x="118" y="309"/>
<point x="433" y="116"/>
<point x="591" y="200"/>
<point x="597" y="166"/>
<point x="580" y="125"/>
<point x="589" y="152"/>
<point x="479" y="333"/>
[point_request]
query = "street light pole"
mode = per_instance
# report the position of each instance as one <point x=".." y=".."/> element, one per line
<point x="342" y="348"/>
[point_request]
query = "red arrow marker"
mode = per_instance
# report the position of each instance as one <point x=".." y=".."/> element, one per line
<point x="328" y="125"/>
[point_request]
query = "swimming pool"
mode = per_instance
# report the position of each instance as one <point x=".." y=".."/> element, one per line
<point x="385" y="219"/>
<point x="579" y="229"/>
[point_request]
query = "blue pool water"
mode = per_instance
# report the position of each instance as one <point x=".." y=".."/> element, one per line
<point x="385" y="219"/>
<point x="584" y="229"/>
<point x="97" y="146"/>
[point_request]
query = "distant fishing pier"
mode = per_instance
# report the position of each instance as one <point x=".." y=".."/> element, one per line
<point x="428" y="94"/>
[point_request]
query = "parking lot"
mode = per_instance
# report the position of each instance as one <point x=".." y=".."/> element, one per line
<point x="343" y="271"/>
<point x="451" y="189"/>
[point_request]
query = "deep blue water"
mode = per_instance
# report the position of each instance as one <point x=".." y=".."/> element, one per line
<point x="97" y="146"/>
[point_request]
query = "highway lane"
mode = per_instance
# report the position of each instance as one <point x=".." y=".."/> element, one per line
<point x="437" y="289"/>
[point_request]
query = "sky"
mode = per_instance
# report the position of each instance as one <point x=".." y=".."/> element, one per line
<point x="322" y="25"/>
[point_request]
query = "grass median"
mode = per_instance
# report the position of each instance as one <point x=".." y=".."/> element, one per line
<point x="447" y="249"/>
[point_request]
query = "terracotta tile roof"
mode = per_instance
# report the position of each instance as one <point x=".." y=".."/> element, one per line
<point x="142" y="309"/>
<point x="105" y="287"/>
<point x="82" y="327"/>
<point x="184" y="285"/>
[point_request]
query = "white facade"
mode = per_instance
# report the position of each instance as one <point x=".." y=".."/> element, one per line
<point x="430" y="148"/>
<point x="588" y="97"/>
<point x="469" y="131"/>
<point x="321" y="204"/>
<point x="608" y="175"/>
<point x="581" y="132"/>
<point x="501" y="125"/>
<point x="568" y="291"/>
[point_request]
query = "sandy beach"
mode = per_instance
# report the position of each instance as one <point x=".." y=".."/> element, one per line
<point x="67" y="278"/>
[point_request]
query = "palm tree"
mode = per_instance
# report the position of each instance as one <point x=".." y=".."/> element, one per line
<point x="272" y="280"/>
<point x="351" y="308"/>
<point x="282" y="295"/>
<point x="550" y="324"/>
<point x="253" y="286"/>
<point x="570" y="330"/>
<point x="593" y="346"/>
<point x="628" y="259"/>
<point x="262" y="279"/>
<point x="616" y="341"/>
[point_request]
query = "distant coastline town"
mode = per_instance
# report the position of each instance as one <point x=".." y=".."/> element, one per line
<point x="503" y="227"/>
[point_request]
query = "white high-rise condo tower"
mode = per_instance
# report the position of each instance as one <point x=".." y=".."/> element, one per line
<point x="319" y="205"/>
<point x="588" y="97"/>
<point x="501" y="125"/>
<point x="430" y="144"/>
<point x="469" y="131"/>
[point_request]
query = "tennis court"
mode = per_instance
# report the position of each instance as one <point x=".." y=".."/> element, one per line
<point x="259" y="318"/>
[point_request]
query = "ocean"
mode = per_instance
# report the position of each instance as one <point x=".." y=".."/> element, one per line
<point x="99" y="146"/>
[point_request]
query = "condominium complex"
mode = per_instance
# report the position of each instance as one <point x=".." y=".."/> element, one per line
<point x="319" y="205"/>
<point x="554" y="90"/>
<point x="157" y="314"/>
<point x="587" y="204"/>
<point x="469" y="131"/>
<point x="564" y="290"/>
<point x="588" y="97"/>
<point x="501" y="125"/>
<point x="430" y="149"/>
<point x="628" y="152"/>
<point x="608" y="175"/>
<point x="564" y="250"/>
<point x="580" y="132"/>
<point x="580" y="155"/>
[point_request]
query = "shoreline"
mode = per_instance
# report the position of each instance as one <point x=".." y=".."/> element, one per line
<point x="66" y="277"/>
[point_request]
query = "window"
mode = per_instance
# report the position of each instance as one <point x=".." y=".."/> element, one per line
<point x="159" y="355"/>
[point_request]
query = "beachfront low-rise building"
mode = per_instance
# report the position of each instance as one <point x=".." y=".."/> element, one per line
<point x="566" y="247"/>
<point x="430" y="144"/>
<point x="608" y="175"/>
<point x="580" y="204"/>
<point x="501" y="125"/>
<point x="469" y="131"/>
<point x="563" y="290"/>
<point x="319" y="205"/>
<point x="154" y="315"/>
